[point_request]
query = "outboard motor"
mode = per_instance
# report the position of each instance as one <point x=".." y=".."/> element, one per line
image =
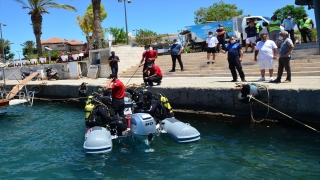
<point x="248" y="89"/>
<point x="143" y="127"/>
<point x="178" y="131"/>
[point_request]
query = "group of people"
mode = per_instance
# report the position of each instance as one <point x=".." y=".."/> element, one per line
<point x="151" y="72"/>
<point x="265" y="50"/>
<point x="108" y="110"/>
<point x="108" y="107"/>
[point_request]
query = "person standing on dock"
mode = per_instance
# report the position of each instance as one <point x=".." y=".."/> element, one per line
<point x="288" y="25"/>
<point x="146" y="56"/>
<point x="267" y="51"/>
<point x="235" y="54"/>
<point x="274" y="28"/>
<point x="305" y="26"/>
<point x="221" y="36"/>
<point x="285" y="50"/>
<point x="211" y="47"/>
<point x="175" y="51"/>
<point x="118" y="91"/>
<point x="251" y="31"/>
<point x="113" y="61"/>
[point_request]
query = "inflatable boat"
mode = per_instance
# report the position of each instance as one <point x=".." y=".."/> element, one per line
<point x="178" y="131"/>
<point x="142" y="127"/>
<point x="99" y="139"/>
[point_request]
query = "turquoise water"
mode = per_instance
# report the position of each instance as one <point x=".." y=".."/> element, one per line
<point x="45" y="142"/>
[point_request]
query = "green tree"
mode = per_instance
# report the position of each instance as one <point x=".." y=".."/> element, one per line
<point x="296" y="11"/>
<point x="9" y="55"/>
<point x="6" y="48"/>
<point x="314" y="34"/>
<point x="119" y="35"/>
<point x="29" y="48"/>
<point x="87" y="24"/>
<point x="219" y="11"/>
<point x="37" y="9"/>
<point x="141" y="37"/>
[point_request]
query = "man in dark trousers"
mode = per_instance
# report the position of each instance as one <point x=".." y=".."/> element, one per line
<point x="221" y="36"/>
<point x="155" y="74"/>
<point x="285" y="51"/>
<point x="113" y="61"/>
<point x="235" y="54"/>
<point x="117" y="93"/>
<point x="305" y="27"/>
<point x="147" y="55"/>
<point x="176" y="50"/>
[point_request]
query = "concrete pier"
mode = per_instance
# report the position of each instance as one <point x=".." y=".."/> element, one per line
<point x="299" y="99"/>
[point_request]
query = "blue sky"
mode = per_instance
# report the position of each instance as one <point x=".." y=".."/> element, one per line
<point x="161" y="16"/>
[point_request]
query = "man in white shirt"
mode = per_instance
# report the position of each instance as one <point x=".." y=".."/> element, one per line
<point x="267" y="50"/>
<point x="211" y="47"/>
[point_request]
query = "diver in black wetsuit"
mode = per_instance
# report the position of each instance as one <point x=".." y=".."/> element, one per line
<point x="102" y="115"/>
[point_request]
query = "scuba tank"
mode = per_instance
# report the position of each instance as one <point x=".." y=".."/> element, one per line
<point x="165" y="103"/>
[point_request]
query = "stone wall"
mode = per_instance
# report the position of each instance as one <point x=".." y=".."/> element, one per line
<point x="302" y="104"/>
<point x="14" y="73"/>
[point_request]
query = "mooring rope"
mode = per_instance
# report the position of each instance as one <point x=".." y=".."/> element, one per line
<point x="65" y="99"/>
<point x="251" y="97"/>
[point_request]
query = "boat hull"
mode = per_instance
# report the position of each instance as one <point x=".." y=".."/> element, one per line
<point x="97" y="140"/>
<point x="178" y="131"/>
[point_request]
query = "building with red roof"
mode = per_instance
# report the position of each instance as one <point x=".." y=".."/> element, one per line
<point x="57" y="44"/>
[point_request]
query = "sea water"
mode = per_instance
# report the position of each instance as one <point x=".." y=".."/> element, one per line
<point x="46" y="142"/>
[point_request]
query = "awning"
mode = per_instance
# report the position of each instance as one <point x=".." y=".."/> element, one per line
<point x="184" y="32"/>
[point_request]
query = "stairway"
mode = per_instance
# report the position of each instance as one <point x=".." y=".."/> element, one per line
<point x="305" y="62"/>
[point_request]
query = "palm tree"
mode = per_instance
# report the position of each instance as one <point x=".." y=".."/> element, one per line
<point x="37" y="8"/>
<point x="5" y="43"/>
<point x="29" y="45"/>
<point x="97" y="22"/>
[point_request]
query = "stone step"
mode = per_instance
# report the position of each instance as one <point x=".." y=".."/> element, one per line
<point x="248" y="65"/>
<point x="215" y="72"/>
<point x="227" y="74"/>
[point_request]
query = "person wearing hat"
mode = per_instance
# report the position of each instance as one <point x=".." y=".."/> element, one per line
<point x="146" y="56"/>
<point x="221" y="36"/>
<point x="113" y="61"/>
<point x="175" y="51"/>
<point x="117" y="93"/>
<point x="305" y="25"/>
<point x="155" y="74"/>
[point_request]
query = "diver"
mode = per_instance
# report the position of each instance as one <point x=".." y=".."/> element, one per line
<point x="152" y="106"/>
<point x="103" y="115"/>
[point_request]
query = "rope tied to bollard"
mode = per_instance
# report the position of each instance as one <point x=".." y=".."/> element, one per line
<point x="250" y="97"/>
